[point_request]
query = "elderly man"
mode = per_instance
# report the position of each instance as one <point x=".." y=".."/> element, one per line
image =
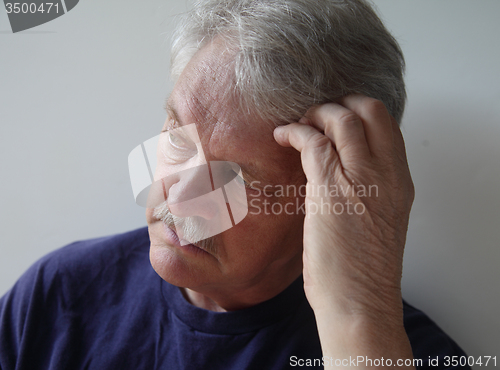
<point x="300" y="95"/>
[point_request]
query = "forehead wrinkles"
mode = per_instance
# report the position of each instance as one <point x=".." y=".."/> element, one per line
<point x="205" y="94"/>
<point x="208" y="95"/>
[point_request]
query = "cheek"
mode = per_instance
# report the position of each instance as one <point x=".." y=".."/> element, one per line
<point x="276" y="213"/>
<point x="265" y="234"/>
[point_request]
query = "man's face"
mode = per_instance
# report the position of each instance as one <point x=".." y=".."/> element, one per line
<point x="262" y="252"/>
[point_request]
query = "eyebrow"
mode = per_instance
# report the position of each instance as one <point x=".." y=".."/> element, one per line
<point x="170" y="109"/>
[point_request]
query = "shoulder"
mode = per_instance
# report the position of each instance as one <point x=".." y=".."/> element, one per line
<point x="74" y="296"/>
<point x="79" y="268"/>
<point x="82" y="260"/>
<point x="91" y="252"/>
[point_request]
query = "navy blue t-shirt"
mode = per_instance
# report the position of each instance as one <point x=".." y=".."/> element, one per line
<point x="98" y="304"/>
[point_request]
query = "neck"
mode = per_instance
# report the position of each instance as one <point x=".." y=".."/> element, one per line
<point x="241" y="298"/>
<point x="200" y="300"/>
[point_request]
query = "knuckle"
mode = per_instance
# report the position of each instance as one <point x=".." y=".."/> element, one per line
<point x="318" y="140"/>
<point x="349" y="119"/>
<point x="376" y="107"/>
<point x="375" y="103"/>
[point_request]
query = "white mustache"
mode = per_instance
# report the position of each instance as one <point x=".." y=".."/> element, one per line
<point x="191" y="229"/>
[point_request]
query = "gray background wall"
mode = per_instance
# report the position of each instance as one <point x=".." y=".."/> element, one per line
<point x="78" y="93"/>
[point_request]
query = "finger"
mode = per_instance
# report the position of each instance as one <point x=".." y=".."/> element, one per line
<point x="376" y="122"/>
<point x="299" y="136"/>
<point x="343" y="127"/>
<point x="403" y="161"/>
<point x="398" y="137"/>
<point x="399" y="144"/>
<point x="317" y="152"/>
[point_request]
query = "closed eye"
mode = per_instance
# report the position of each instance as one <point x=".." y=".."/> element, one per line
<point x="177" y="148"/>
<point x="179" y="142"/>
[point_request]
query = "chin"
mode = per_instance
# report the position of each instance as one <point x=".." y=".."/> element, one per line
<point x="184" y="266"/>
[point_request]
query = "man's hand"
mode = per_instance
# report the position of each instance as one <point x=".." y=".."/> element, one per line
<point x="358" y="202"/>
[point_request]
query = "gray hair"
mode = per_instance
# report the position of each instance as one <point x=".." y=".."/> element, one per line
<point x="293" y="54"/>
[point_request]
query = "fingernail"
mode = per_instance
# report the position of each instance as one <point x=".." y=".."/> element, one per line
<point x="278" y="132"/>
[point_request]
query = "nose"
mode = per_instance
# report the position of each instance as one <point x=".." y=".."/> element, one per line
<point x="190" y="193"/>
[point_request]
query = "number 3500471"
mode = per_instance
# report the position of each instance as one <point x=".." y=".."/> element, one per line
<point x="25" y="8"/>
<point x="470" y="360"/>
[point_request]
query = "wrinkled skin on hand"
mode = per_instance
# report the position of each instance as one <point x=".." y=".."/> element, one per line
<point x="353" y="261"/>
